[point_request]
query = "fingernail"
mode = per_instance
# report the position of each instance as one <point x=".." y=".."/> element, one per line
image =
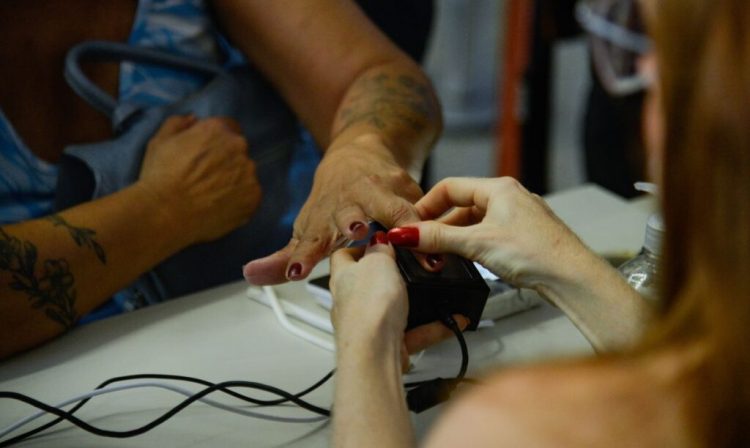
<point x="404" y="236"/>
<point x="294" y="271"/>
<point x="355" y="226"/>
<point x="378" y="238"/>
<point x="434" y="259"/>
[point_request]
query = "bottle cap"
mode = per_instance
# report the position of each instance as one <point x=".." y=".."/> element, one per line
<point x="654" y="233"/>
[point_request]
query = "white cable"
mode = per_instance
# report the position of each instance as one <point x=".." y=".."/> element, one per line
<point x="293" y="310"/>
<point x="237" y="410"/>
<point x="289" y="326"/>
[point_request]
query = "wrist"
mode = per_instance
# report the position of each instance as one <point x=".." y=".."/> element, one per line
<point x="371" y="354"/>
<point x="581" y="270"/>
<point x="364" y="337"/>
<point x="357" y="144"/>
<point x="164" y="212"/>
<point x="598" y="300"/>
<point x="353" y="140"/>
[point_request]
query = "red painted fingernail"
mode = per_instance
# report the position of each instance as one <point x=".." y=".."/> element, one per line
<point x="378" y="238"/>
<point x="434" y="260"/>
<point x="356" y="225"/>
<point x="294" y="271"/>
<point x="404" y="236"/>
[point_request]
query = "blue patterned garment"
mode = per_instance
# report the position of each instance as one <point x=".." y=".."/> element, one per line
<point x="182" y="27"/>
<point x="27" y="183"/>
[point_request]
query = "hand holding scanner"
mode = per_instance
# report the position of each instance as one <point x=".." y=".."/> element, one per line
<point x="457" y="289"/>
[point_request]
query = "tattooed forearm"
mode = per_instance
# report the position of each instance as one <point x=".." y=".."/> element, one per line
<point x="384" y="100"/>
<point x="82" y="236"/>
<point x="53" y="291"/>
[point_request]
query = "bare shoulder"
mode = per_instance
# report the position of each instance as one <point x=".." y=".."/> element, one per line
<point x="581" y="404"/>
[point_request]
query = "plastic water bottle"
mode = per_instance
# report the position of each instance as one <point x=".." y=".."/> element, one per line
<point x="641" y="272"/>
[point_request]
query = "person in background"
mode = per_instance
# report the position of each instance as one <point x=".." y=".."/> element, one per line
<point x="612" y="134"/>
<point x="366" y="104"/>
<point x="678" y="375"/>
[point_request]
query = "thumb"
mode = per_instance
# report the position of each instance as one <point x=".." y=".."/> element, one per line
<point x="433" y="237"/>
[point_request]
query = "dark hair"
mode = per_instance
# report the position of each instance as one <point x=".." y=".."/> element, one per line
<point x="704" y="69"/>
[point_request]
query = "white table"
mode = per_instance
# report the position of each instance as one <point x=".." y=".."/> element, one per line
<point x="220" y="334"/>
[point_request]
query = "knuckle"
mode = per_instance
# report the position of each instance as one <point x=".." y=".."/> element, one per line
<point x="402" y="212"/>
<point x="448" y="181"/>
<point x="436" y="237"/>
<point x="402" y="177"/>
<point x="250" y="166"/>
<point x="508" y="184"/>
<point x="212" y="125"/>
<point x="170" y="121"/>
<point x="447" y="184"/>
<point x="238" y="142"/>
<point x="374" y="179"/>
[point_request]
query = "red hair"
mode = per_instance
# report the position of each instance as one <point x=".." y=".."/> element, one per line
<point x="703" y="48"/>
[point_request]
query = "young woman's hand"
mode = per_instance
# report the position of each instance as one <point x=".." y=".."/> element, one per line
<point x="497" y="223"/>
<point x="369" y="295"/>
<point x="370" y="304"/>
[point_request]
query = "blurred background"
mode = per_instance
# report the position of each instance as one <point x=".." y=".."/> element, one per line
<point x="566" y="130"/>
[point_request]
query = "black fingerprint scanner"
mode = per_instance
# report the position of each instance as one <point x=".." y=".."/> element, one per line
<point x="457" y="289"/>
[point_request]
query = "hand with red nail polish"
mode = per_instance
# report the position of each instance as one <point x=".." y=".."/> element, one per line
<point x="404" y="236"/>
<point x="495" y="222"/>
<point x="514" y="234"/>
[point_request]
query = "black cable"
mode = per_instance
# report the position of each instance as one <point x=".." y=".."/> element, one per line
<point x="423" y="395"/>
<point x="212" y="387"/>
<point x="426" y="394"/>
<point x="451" y="323"/>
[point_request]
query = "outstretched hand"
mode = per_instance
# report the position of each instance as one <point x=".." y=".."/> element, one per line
<point x="355" y="183"/>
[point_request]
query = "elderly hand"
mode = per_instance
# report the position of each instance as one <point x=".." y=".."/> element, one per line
<point x="201" y="172"/>
<point x="355" y="183"/>
<point x="497" y="223"/>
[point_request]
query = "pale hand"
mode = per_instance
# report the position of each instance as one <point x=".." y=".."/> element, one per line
<point x="501" y="225"/>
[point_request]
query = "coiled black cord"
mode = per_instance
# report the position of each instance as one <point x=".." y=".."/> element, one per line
<point x="211" y="387"/>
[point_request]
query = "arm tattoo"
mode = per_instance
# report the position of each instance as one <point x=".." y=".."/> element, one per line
<point x="53" y="290"/>
<point x="384" y="100"/>
<point x="81" y="235"/>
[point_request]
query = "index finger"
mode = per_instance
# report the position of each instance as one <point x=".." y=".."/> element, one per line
<point x="454" y="192"/>
<point x="391" y="210"/>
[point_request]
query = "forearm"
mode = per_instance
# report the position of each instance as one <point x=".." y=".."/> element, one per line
<point x="338" y="72"/>
<point x="395" y="103"/>
<point x="53" y="270"/>
<point x="369" y="405"/>
<point x="600" y="303"/>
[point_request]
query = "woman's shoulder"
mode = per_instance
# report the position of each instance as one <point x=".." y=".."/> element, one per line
<point x="592" y="403"/>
